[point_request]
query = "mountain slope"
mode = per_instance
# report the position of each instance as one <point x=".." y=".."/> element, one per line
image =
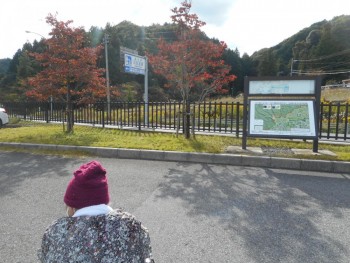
<point x="323" y="48"/>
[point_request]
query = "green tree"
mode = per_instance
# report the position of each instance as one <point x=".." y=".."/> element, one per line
<point x="233" y="59"/>
<point x="267" y="64"/>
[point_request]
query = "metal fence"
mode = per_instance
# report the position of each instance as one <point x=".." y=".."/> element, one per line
<point x="210" y="117"/>
<point x="334" y="121"/>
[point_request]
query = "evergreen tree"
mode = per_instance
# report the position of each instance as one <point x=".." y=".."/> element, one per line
<point x="267" y="64"/>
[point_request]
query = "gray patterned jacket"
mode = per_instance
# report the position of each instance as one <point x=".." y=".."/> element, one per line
<point x="115" y="237"/>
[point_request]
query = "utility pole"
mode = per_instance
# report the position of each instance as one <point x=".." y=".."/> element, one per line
<point x="146" y="90"/>
<point x="42" y="37"/>
<point x="106" y="41"/>
<point x="291" y="67"/>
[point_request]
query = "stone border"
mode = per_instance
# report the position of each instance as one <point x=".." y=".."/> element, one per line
<point x="226" y="159"/>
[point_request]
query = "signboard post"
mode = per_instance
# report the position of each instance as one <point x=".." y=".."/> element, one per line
<point x="135" y="64"/>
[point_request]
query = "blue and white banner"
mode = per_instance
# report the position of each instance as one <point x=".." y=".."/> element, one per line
<point x="134" y="64"/>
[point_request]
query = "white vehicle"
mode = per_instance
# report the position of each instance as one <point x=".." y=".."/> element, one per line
<point x="4" y="118"/>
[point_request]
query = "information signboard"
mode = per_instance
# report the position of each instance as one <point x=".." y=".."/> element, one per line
<point x="281" y="107"/>
<point x="282" y="87"/>
<point x="282" y="118"/>
<point x="134" y="64"/>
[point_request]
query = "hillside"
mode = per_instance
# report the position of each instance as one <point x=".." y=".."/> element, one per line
<point x="4" y="65"/>
<point x="323" y="48"/>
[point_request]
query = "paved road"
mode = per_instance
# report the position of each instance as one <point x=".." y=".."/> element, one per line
<point x="195" y="212"/>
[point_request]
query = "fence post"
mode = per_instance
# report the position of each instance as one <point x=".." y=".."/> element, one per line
<point x="47" y="112"/>
<point x="178" y="123"/>
<point x="329" y="120"/>
<point x="237" y="118"/>
<point x="139" y="115"/>
<point x="103" y="114"/>
<point x="317" y="112"/>
<point x="25" y="111"/>
<point x="321" y="121"/>
<point x="346" y="121"/>
<point x="337" y="121"/>
<point x="245" y="114"/>
<point x="204" y="115"/>
<point x="193" y="122"/>
<point x="226" y="109"/>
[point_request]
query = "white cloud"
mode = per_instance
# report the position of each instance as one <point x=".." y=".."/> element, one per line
<point x="248" y="25"/>
<point x="212" y="12"/>
<point x="253" y="25"/>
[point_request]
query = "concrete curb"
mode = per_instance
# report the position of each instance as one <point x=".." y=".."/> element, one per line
<point x="225" y="159"/>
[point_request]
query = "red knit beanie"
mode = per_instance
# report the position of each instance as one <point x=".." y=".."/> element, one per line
<point x="88" y="186"/>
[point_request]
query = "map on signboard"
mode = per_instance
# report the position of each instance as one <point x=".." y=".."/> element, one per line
<point x="281" y="87"/>
<point x="279" y="117"/>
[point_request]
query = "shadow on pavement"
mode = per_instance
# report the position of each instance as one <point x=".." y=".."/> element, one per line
<point x="279" y="216"/>
<point x="18" y="167"/>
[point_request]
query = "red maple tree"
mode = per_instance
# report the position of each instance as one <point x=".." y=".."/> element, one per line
<point x="69" y="69"/>
<point x="191" y="62"/>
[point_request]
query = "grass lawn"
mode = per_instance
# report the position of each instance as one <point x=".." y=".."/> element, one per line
<point x="42" y="133"/>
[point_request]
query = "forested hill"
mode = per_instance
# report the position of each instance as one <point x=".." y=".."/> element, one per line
<point x="323" y="48"/>
<point x="4" y="65"/>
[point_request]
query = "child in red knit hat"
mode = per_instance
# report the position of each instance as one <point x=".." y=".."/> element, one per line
<point x="93" y="231"/>
<point x="88" y="187"/>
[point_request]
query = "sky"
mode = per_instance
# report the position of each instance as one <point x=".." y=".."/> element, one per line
<point x="248" y="25"/>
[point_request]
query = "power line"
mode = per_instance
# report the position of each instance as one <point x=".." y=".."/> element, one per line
<point x="323" y="57"/>
<point x="328" y="65"/>
<point x="160" y="32"/>
<point x="335" y="65"/>
<point x="320" y="73"/>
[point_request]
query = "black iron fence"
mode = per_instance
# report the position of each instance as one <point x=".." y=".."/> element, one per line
<point x="212" y="117"/>
<point x="334" y="121"/>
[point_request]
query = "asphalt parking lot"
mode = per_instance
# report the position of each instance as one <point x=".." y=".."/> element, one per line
<point x="195" y="212"/>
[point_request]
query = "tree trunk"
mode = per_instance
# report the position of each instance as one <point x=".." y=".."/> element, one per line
<point x="69" y="112"/>
<point x="187" y="119"/>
